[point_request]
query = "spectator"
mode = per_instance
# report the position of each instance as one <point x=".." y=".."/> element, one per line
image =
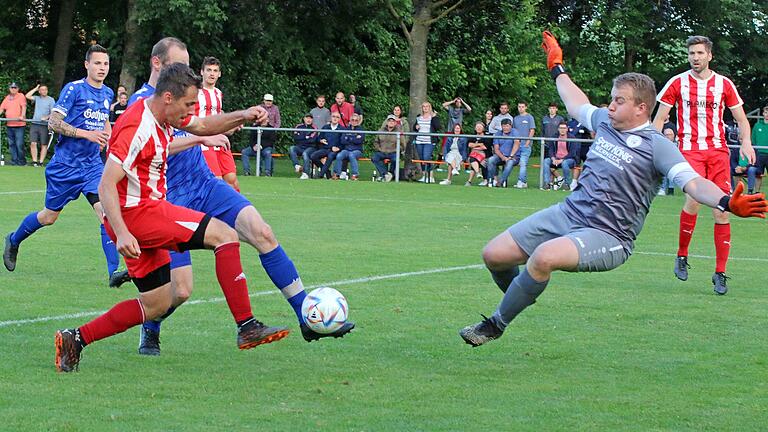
<point x="385" y="147"/>
<point x="120" y="90"/>
<point x="669" y="134"/>
<point x="305" y="143"/>
<point x="330" y="146"/>
<point x="504" y="150"/>
<point x="119" y="107"/>
<point x="400" y="121"/>
<point x="478" y="154"/>
<point x="487" y="121"/>
<point x="495" y="127"/>
<point x="352" y="149"/>
<point x="356" y="108"/>
<point x="343" y="108"/>
<point x="551" y="122"/>
<point x="562" y="155"/>
<point x="525" y="125"/>
<point x="456" y="110"/>
<point x="15" y="107"/>
<point x="268" y="138"/>
<point x="454" y="153"/>
<point x="578" y="130"/>
<point x="321" y="115"/>
<point x="759" y="139"/>
<point x="426" y="122"/>
<point x="39" y="132"/>
<point x="272" y="110"/>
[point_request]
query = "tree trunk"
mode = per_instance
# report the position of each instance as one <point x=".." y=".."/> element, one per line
<point x="629" y="56"/>
<point x="131" y="62"/>
<point x="418" y="61"/>
<point x="63" y="41"/>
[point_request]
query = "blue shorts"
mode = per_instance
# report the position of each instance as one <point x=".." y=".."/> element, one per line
<point x="215" y="198"/>
<point x="65" y="183"/>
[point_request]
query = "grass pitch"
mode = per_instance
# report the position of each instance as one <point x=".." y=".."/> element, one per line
<point x="632" y="349"/>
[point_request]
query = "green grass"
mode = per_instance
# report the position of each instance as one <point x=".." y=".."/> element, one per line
<point x="633" y="349"/>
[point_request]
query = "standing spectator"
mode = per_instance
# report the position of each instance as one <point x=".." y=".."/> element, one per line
<point x="305" y="143"/>
<point x="504" y="150"/>
<point x="426" y="122"/>
<point x="478" y="154"/>
<point x="39" y="132"/>
<point x="120" y="90"/>
<point x="356" y="107"/>
<point x="343" y="108"/>
<point x="385" y="147"/>
<point x="551" y="122"/>
<point x="759" y="139"/>
<point x="669" y="134"/>
<point x="578" y="130"/>
<point x="495" y="127"/>
<point x="272" y="110"/>
<point x="268" y="138"/>
<point x="321" y="115"/>
<point x="525" y="125"/>
<point x="352" y="149"/>
<point x="15" y="107"/>
<point x="487" y="121"/>
<point x="330" y="146"/>
<point x="400" y="121"/>
<point x="454" y="153"/>
<point x="456" y="110"/>
<point x="562" y="154"/>
<point x="119" y="107"/>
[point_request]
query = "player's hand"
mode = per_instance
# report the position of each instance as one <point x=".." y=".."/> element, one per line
<point x="99" y="137"/>
<point x="128" y="246"/>
<point x="217" y="141"/>
<point x="748" y="152"/>
<point x="753" y="205"/>
<point x="552" y="49"/>
<point x="255" y="114"/>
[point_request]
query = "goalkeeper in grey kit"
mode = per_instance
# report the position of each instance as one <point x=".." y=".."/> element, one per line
<point x="595" y="227"/>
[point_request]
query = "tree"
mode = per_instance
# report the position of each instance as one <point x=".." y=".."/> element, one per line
<point x="63" y="41"/>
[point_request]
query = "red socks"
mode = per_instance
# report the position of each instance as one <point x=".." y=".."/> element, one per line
<point x="120" y="318"/>
<point x="722" y="246"/>
<point x="229" y="272"/>
<point x="687" y="224"/>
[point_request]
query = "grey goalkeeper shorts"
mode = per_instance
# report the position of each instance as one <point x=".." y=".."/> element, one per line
<point x="598" y="250"/>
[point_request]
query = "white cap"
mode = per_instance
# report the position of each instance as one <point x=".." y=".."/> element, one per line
<point x="269" y="97"/>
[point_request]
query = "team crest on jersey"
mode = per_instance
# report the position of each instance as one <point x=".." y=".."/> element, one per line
<point x="634" y="141"/>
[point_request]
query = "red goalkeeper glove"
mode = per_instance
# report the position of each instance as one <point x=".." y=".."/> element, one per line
<point x="741" y="205"/>
<point x="552" y="49"/>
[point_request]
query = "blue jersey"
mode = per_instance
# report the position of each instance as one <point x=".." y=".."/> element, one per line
<point x="186" y="172"/>
<point x="84" y="107"/>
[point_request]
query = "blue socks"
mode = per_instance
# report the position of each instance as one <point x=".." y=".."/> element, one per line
<point x="154" y="325"/>
<point x="283" y="273"/>
<point x="110" y="251"/>
<point x="28" y="226"/>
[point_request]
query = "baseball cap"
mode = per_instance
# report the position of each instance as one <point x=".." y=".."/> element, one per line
<point x="13" y="85"/>
<point x="506" y="121"/>
<point x="269" y="97"/>
<point x="308" y="115"/>
<point x="391" y="117"/>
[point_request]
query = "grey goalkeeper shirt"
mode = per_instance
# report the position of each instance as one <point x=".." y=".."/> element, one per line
<point x="621" y="175"/>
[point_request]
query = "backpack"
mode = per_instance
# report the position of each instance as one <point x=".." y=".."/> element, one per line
<point x="411" y="171"/>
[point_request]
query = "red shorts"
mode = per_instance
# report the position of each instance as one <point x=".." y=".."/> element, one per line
<point x="212" y="159"/>
<point x="479" y="156"/>
<point x="713" y="165"/>
<point x="226" y="162"/>
<point x="158" y="226"/>
<point x="219" y="160"/>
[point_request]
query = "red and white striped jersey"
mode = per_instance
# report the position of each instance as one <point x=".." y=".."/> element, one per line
<point x="209" y="102"/>
<point x="700" y="107"/>
<point x="140" y="145"/>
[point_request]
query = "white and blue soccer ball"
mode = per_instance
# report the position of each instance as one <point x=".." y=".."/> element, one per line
<point x="325" y="310"/>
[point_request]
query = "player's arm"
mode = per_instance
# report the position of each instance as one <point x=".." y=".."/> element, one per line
<point x="221" y="123"/>
<point x="745" y="134"/>
<point x="569" y="92"/>
<point x="110" y="202"/>
<point x="57" y="124"/>
<point x="661" y="114"/>
<point x="178" y="145"/>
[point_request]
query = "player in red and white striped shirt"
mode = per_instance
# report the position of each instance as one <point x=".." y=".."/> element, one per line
<point x="209" y="102"/>
<point x="700" y="96"/>
<point x="145" y="226"/>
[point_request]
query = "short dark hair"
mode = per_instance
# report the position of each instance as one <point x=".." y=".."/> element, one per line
<point x="696" y="40"/>
<point x="160" y="49"/>
<point x="210" y="61"/>
<point x="176" y="79"/>
<point x="522" y="102"/>
<point x="95" y="48"/>
<point x="504" y="103"/>
<point x="552" y="104"/>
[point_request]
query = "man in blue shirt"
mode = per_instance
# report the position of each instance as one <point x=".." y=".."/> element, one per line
<point x="526" y="126"/>
<point x="504" y="151"/>
<point x="81" y="117"/>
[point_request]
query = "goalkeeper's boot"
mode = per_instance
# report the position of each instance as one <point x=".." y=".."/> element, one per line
<point x="254" y="333"/>
<point x="68" y="348"/>
<point x="9" y="253"/>
<point x="149" y="342"/>
<point x="118" y="277"/>
<point x="720" y="283"/>
<point x="681" y="268"/>
<point x="311" y="335"/>
<point x="480" y="333"/>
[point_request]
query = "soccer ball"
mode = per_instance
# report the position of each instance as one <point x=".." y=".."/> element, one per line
<point x="325" y="310"/>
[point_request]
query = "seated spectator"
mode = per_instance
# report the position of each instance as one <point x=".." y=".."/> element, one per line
<point x="268" y="138"/>
<point x="478" y="153"/>
<point x="578" y="130"/>
<point x="385" y="147"/>
<point x="321" y="115"/>
<point x="400" y="121"/>
<point x="305" y="143"/>
<point x="487" y="121"/>
<point x="119" y="107"/>
<point x="352" y="150"/>
<point x="454" y="153"/>
<point x="426" y="122"/>
<point x="759" y="139"/>
<point x="503" y="151"/>
<point x="329" y="146"/>
<point x="562" y="154"/>
<point x="668" y="134"/>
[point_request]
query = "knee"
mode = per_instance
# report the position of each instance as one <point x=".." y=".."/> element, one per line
<point x="492" y="258"/>
<point x="543" y="260"/>
<point x="155" y="306"/>
<point x="47" y="217"/>
<point x="219" y="233"/>
<point x="182" y="293"/>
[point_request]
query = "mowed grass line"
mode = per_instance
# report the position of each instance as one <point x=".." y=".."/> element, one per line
<point x="632" y="349"/>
